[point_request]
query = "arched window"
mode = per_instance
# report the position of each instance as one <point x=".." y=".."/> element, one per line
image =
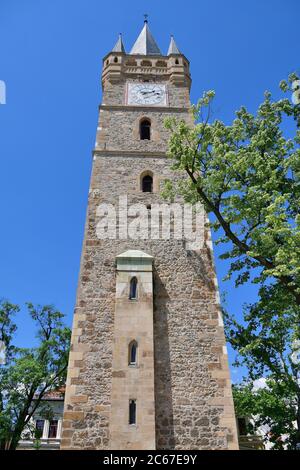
<point x="133" y="289"/>
<point x="131" y="62"/>
<point x="115" y="59"/>
<point x="145" y="129"/>
<point x="132" y="411"/>
<point x="161" y="63"/>
<point x="146" y="63"/>
<point x="132" y="353"/>
<point x="147" y="184"/>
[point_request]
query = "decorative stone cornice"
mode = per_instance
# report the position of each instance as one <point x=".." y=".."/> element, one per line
<point x="118" y="66"/>
<point x="165" y="109"/>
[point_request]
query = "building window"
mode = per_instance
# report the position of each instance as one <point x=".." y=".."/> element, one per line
<point x="133" y="353"/>
<point x="161" y="63"/>
<point x="145" y="129"/>
<point x="133" y="289"/>
<point x="132" y="411"/>
<point x="131" y="62"/>
<point x="176" y="61"/>
<point x="53" y="428"/>
<point x="146" y="63"/>
<point x="39" y="427"/>
<point x="147" y="184"/>
<point x="116" y="59"/>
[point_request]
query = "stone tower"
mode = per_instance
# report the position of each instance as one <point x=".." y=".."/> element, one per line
<point x="148" y="366"/>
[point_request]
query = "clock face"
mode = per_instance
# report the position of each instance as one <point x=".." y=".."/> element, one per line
<point x="152" y="94"/>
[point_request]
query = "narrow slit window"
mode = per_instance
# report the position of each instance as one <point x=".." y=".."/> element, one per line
<point x="145" y="129"/>
<point x="133" y="353"/>
<point x="132" y="411"/>
<point x="147" y="184"/>
<point x="133" y="289"/>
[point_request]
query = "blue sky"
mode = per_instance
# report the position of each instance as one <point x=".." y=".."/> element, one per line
<point x="50" y="60"/>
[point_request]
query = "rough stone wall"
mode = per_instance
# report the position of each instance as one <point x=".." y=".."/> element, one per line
<point x="129" y="139"/>
<point x="192" y="383"/>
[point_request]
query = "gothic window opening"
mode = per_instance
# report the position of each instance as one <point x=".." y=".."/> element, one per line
<point x="147" y="184"/>
<point x="145" y="129"/>
<point x="132" y="411"/>
<point x="53" y="428"/>
<point x="133" y="353"/>
<point x="146" y="63"/>
<point x="116" y="59"/>
<point x="161" y="63"/>
<point x="133" y="289"/>
<point x="131" y="63"/>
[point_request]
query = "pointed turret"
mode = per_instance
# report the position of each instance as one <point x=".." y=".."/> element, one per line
<point x="119" y="46"/>
<point x="145" y="43"/>
<point x="173" y="49"/>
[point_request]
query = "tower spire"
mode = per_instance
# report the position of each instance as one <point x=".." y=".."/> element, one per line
<point x="119" y="46"/>
<point x="145" y="43"/>
<point x="173" y="49"/>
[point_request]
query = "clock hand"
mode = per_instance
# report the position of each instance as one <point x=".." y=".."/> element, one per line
<point x="153" y="93"/>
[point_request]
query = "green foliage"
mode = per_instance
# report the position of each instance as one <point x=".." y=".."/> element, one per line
<point x="268" y="345"/>
<point x="7" y="327"/>
<point x="30" y="372"/>
<point x="272" y="410"/>
<point x="247" y="175"/>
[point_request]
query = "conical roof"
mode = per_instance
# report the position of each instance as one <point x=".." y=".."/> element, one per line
<point x="119" y="47"/>
<point x="145" y="43"/>
<point x="173" y="49"/>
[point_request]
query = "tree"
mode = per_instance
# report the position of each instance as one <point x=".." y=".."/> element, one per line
<point x="272" y="410"/>
<point x="268" y="345"/>
<point x="247" y="175"/>
<point x="29" y="373"/>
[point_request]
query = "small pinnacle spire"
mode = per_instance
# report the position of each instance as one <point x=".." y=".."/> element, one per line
<point x="146" y="18"/>
<point x="173" y="49"/>
<point x="119" y="47"/>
